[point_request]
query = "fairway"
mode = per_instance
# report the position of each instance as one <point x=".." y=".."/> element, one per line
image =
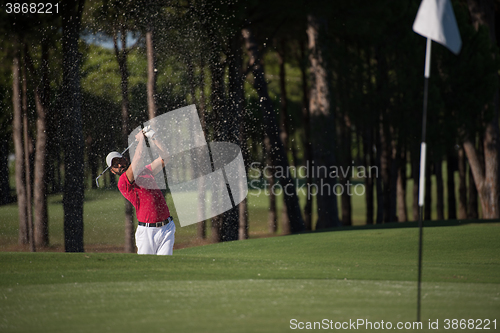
<point x="260" y="285"/>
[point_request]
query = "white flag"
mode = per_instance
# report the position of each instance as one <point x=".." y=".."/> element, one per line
<point x="436" y="21"/>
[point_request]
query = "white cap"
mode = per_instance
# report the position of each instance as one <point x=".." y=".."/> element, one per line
<point x="111" y="156"/>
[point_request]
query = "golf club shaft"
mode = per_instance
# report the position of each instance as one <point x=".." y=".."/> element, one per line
<point x="123" y="152"/>
<point x="97" y="179"/>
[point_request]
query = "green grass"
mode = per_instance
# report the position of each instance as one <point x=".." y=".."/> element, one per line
<point x="104" y="217"/>
<point x="258" y="285"/>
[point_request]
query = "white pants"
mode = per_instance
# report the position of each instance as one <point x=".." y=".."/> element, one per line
<point x="158" y="241"/>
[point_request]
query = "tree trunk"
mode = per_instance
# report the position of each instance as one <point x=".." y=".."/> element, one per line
<point x="73" y="148"/>
<point x="5" y="196"/>
<point x="472" y="203"/>
<point x="462" y="187"/>
<point x="401" y="188"/>
<point x="42" y="99"/>
<point x="308" y="150"/>
<point x="27" y="164"/>
<point x="380" y="191"/>
<point x="92" y="158"/>
<point x="243" y="206"/>
<point x="368" y="162"/>
<point x="230" y="228"/>
<point x="269" y="115"/>
<point x="17" y="131"/>
<point x="284" y="124"/>
<point x="346" y="157"/>
<point x="218" y="111"/>
<point x="216" y="236"/>
<point x="202" y="226"/>
<point x="152" y="72"/>
<point x="231" y="125"/>
<point x="393" y="190"/>
<point x="237" y="91"/>
<point x="484" y="184"/>
<point x="415" y="175"/>
<point x="243" y="221"/>
<point x="60" y="165"/>
<point x="53" y="150"/>
<point x="450" y="168"/>
<point x="385" y="169"/>
<point x="322" y="127"/>
<point x="438" y="166"/>
<point x="272" y="220"/>
<point x="428" y="192"/>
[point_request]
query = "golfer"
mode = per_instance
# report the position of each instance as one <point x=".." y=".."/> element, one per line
<point x="155" y="233"/>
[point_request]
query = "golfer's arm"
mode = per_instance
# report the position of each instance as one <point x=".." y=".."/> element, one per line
<point x="160" y="162"/>
<point x="162" y="151"/>
<point x="157" y="165"/>
<point x="135" y="161"/>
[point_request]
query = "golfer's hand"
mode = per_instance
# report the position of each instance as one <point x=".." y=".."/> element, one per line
<point x="148" y="132"/>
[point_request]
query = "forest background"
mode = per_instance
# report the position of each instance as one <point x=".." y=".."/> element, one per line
<point x="323" y="85"/>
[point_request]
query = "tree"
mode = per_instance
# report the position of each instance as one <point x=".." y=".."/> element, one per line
<point x="152" y="10"/>
<point x="472" y="212"/>
<point x="486" y="179"/>
<point x="27" y="30"/>
<point x="462" y="190"/>
<point x="218" y="97"/>
<point x="42" y="100"/>
<point x="308" y="150"/>
<point x="238" y="228"/>
<point x="5" y="129"/>
<point x="452" y="204"/>
<point x="73" y="150"/>
<point x="18" y="145"/>
<point x="27" y="165"/>
<point x="284" y="121"/>
<point x="322" y="126"/>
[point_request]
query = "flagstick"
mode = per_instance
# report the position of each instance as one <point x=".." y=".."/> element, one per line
<point x="422" y="171"/>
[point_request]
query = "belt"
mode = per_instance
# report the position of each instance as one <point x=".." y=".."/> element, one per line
<point x="157" y="224"/>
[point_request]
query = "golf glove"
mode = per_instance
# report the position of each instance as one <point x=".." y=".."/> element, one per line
<point x="148" y="132"/>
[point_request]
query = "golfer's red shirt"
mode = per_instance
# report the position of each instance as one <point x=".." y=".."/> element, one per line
<point x="149" y="203"/>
